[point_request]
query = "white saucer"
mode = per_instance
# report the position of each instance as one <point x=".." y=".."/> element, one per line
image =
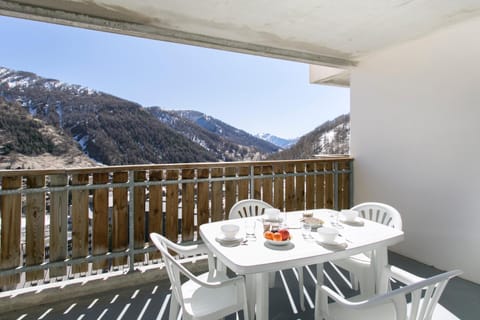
<point x="229" y="241"/>
<point x="356" y="222"/>
<point x="279" y="245"/>
<point x="337" y="243"/>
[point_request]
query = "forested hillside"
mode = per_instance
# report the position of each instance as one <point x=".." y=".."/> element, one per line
<point x="332" y="137"/>
<point x="26" y="142"/>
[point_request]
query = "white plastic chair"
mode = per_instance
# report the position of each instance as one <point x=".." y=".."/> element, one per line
<point x="207" y="296"/>
<point x="359" y="266"/>
<point x="248" y="208"/>
<point x="381" y="213"/>
<point x="415" y="301"/>
<point x="254" y="207"/>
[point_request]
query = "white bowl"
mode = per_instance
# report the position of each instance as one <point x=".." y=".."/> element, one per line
<point x="272" y="214"/>
<point x="229" y="230"/>
<point x="349" y="215"/>
<point x="327" y="234"/>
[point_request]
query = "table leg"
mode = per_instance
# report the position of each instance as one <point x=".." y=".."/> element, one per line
<point x="380" y="261"/>
<point x="250" y="280"/>
<point x="318" y="303"/>
<point x="262" y="296"/>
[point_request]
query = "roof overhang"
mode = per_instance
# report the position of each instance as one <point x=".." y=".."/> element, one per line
<point x="335" y="34"/>
<point x="329" y="75"/>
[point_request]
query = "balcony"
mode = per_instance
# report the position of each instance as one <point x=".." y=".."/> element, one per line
<point x="86" y="231"/>
<point x="414" y="119"/>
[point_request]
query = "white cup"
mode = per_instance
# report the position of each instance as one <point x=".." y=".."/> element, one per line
<point x="349" y="215"/>
<point x="229" y="230"/>
<point x="327" y="235"/>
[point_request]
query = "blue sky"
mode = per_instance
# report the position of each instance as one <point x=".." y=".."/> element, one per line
<point x="252" y="93"/>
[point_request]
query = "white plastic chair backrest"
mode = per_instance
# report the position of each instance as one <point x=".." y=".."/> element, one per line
<point x="380" y="212"/>
<point x="421" y="305"/>
<point x="247" y="208"/>
<point x="173" y="267"/>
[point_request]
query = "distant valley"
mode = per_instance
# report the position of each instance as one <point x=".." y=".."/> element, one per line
<point x="80" y="126"/>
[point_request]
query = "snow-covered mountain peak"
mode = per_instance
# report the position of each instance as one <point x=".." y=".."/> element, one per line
<point x="281" y="142"/>
<point x="21" y="80"/>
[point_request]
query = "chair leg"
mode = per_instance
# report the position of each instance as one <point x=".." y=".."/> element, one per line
<point x="320" y="304"/>
<point x="174" y="308"/>
<point x="367" y="283"/>
<point x="301" y="295"/>
<point x="246" y="315"/>
<point x="220" y="267"/>
<point x="250" y="296"/>
<point x="354" y="281"/>
<point x="271" y="279"/>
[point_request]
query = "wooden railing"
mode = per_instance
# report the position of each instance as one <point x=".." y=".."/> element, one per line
<point x="56" y="224"/>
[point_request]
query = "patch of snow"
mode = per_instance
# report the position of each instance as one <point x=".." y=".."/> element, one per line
<point x="82" y="141"/>
<point x="31" y="108"/>
<point x="59" y="111"/>
<point x="59" y="84"/>
<point x="201" y="142"/>
<point x="329" y="135"/>
<point x="3" y="71"/>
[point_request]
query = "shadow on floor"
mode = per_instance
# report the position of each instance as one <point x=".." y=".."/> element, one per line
<point x="152" y="301"/>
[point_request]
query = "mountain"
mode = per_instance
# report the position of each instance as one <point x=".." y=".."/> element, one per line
<point x="110" y="130"/>
<point x="228" y="132"/>
<point x="114" y="131"/>
<point x="280" y="142"/>
<point x="210" y="134"/>
<point x="332" y="137"/>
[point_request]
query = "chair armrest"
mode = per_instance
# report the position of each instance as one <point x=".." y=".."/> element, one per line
<point x="341" y="300"/>
<point x="189" y="250"/>
<point x="402" y="275"/>
<point x="192" y="250"/>
<point x="214" y="283"/>
<point x="379" y="299"/>
<point x="370" y="302"/>
<point x="196" y="249"/>
<point x="220" y="283"/>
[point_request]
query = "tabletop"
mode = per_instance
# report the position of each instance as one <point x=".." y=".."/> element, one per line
<point x="256" y="256"/>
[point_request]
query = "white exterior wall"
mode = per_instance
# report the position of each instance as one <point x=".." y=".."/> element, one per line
<point x="415" y="137"/>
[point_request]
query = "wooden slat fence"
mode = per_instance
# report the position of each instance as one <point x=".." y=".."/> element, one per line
<point x="100" y="218"/>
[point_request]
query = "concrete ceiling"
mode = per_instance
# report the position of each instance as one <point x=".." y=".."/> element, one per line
<point x="334" y="33"/>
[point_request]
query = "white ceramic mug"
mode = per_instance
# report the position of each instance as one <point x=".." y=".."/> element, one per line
<point x="349" y="215"/>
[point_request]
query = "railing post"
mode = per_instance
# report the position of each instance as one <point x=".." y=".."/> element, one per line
<point x="252" y="182"/>
<point x="351" y="184"/>
<point x="335" y="185"/>
<point x="131" y="221"/>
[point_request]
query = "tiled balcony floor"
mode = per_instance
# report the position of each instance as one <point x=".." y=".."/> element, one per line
<point x="151" y="301"/>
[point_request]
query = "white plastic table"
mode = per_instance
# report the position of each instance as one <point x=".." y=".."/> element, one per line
<point x="256" y="259"/>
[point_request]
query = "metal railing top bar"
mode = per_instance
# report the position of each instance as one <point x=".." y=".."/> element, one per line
<point x="170" y="182"/>
<point x="199" y="165"/>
